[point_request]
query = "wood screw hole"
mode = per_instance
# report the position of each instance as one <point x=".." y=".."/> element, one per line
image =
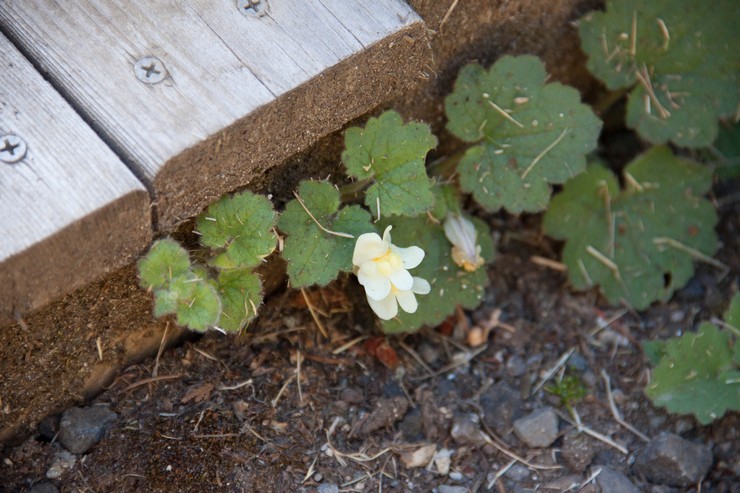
<point x="252" y="8"/>
<point x="12" y="148"/>
<point x="150" y="70"/>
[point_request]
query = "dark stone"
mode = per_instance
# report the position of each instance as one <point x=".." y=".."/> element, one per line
<point x="501" y="406"/>
<point x="43" y="488"/>
<point x="81" y="428"/>
<point x="612" y="481"/>
<point x="411" y="426"/>
<point x="673" y="461"/>
<point x="466" y="430"/>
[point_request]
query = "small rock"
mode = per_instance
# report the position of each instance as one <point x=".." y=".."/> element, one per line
<point x="517" y="472"/>
<point x="612" y="481"/>
<point x="516" y="366"/>
<point x="577" y="362"/>
<point x="328" y="488"/>
<point x="81" y="428"/>
<point x="420" y="457"/>
<point x="452" y="489"/>
<point x="683" y="425"/>
<point x="539" y="429"/>
<point x="44" y="488"/>
<point x="466" y="430"/>
<point x="386" y="412"/>
<point x="501" y="406"/>
<point x="411" y="426"/>
<point x="578" y="450"/>
<point x="671" y="460"/>
<point x="62" y="461"/>
<point x="442" y="461"/>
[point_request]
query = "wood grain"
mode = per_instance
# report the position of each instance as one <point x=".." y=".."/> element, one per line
<point x="70" y="211"/>
<point x="236" y="86"/>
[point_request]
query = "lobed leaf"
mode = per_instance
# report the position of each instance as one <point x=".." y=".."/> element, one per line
<point x="165" y="260"/>
<point x="241" y="226"/>
<point x="451" y="285"/>
<point x="637" y="244"/>
<point x="313" y="255"/>
<point x="392" y="154"/>
<point x="241" y="293"/>
<point x="697" y="376"/>
<point x="679" y="57"/>
<point x="530" y="134"/>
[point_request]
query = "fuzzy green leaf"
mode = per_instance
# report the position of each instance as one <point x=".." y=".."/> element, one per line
<point x="198" y="303"/>
<point x="639" y="244"/>
<point x="391" y="154"/>
<point x="530" y="134"/>
<point x="241" y="225"/>
<point x="451" y="286"/>
<point x="165" y="302"/>
<point x="241" y="295"/>
<point x="313" y="255"/>
<point x="679" y="57"/>
<point x="166" y="260"/>
<point x="696" y="375"/>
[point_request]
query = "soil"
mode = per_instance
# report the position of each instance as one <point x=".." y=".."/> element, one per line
<point x="284" y="409"/>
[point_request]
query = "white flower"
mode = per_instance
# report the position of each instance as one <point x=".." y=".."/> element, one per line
<point x="382" y="268"/>
<point x="464" y="238"/>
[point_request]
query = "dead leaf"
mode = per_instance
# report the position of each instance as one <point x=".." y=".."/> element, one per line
<point x="198" y="393"/>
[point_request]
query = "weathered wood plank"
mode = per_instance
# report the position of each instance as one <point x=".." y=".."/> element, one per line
<point x="70" y="211"/>
<point x="241" y="92"/>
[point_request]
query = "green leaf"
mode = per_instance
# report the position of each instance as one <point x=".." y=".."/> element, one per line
<point x="165" y="302"/>
<point x="240" y="224"/>
<point x="198" y="303"/>
<point x="732" y="315"/>
<point x="727" y="150"/>
<point x="451" y="286"/>
<point x="696" y="375"/>
<point x="654" y="351"/>
<point x="391" y="154"/>
<point x="678" y="56"/>
<point x="639" y="244"/>
<point x="313" y="255"/>
<point x="241" y="295"/>
<point x="166" y="260"/>
<point x="530" y="134"/>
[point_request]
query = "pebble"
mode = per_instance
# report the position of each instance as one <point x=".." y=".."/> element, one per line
<point x="612" y="481"/>
<point x="673" y="461"/>
<point x="328" y="488"/>
<point x="578" y="450"/>
<point x="451" y="489"/>
<point x="44" y="488"/>
<point x="501" y="406"/>
<point x="516" y="366"/>
<point x="466" y="430"/>
<point x="517" y="472"/>
<point x="577" y="362"/>
<point x="81" y="428"/>
<point x="62" y="461"/>
<point x="538" y="429"/>
<point x="683" y="425"/>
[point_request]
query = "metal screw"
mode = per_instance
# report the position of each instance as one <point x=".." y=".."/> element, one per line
<point x="12" y="148"/>
<point x="150" y="70"/>
<point x="252" y="8"/>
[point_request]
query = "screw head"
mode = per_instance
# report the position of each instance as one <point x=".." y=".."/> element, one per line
<point x="252" y="8"/>
<point x="12" y="148"/>
<point x="150" y="70"/>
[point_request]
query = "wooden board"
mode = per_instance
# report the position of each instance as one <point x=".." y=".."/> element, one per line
<point x="70" y="211"/>
<point x="241" y="92"/>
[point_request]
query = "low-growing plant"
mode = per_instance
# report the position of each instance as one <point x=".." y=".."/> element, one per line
<point x="699" y="372"/>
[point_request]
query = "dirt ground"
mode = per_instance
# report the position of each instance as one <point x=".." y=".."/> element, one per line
<point x="285" y="409"/>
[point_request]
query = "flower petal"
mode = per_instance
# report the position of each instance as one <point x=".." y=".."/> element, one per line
<point x="376" y="287"/>
<point x="402" y="279"/>
<point x="386" y="308"/>
<point x="421" y="286"/>
<point x="411" y="256"/>
<point x="368" y="247"/>
<point x="387" y="236"/>
<point x="407" y="300"/>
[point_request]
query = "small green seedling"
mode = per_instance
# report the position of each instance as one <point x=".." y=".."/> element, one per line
<point x="570" y="389"/>
<point x="637" y="244"/>
<point x="699" y="373"/>
<point x="678" y="58"/>
<point x="527" y="134"/>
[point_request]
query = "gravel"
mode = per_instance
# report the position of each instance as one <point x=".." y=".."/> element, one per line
<point x="673" y="461"/>
<point x="538" y="429"/>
